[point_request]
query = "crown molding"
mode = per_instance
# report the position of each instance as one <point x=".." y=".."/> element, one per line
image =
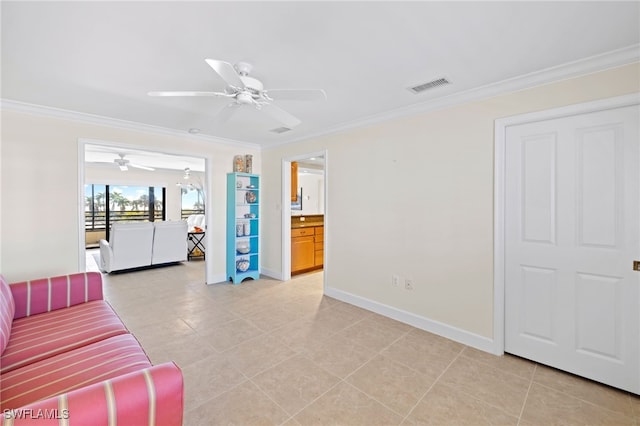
<point x="590" y="65"/>
<point x="597" y="63"/>
<point x="81" y="117"/>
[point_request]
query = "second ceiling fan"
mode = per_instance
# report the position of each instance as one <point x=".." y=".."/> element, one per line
<point x="245" y="90"/>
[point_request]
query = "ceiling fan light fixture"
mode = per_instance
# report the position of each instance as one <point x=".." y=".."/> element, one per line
<point x="244" y="98"/>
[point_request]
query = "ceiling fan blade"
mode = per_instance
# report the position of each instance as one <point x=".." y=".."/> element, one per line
<point x="297" y="94"/>
<point x="281" y="115"/>
<point x="187" y="93"/>
<point x="226" y="112"/>
<point x="227" y="72"/>
<point x="138" y="166"/>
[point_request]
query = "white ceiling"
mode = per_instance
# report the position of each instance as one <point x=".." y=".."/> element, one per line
<point x="103" y="156"/>
<point x="102" y="58"/>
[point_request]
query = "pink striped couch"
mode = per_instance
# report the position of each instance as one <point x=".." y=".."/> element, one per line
<point x="66" y="358"/>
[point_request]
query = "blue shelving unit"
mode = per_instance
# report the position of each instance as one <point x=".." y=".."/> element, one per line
<point x="243" y="226"/>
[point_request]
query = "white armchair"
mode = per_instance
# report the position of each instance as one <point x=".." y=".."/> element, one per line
<point x="169" y="242"/>
<point x="130" y="246"/>
<point x="195" y="220"/>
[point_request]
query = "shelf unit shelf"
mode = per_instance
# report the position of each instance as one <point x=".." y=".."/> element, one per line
<point x="243" y="226"/>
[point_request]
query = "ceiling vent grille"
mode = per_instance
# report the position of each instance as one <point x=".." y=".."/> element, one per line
<point x="280" y="130"/>
<point x="430" y="85"/>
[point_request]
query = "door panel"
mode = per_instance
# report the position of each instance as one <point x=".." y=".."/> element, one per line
<point x="538" y="295"/>
<point x="571" y="234"/>
<point x="598" y="181"/>
<point x="539" y="188"/>
<point x="599" y="333"/>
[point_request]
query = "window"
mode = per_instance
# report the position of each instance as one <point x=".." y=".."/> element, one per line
<point x="105" y="204"/>
<point x="95" y="207"/>
<point x="192" y="201"/>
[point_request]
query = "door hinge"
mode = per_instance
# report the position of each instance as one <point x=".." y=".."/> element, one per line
<point x="636" y="265"/>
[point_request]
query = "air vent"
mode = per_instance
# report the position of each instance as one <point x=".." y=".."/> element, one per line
<point x="430" y="85"/>
<point x="280" y="130"/>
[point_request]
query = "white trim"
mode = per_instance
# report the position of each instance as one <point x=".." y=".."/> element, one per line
<point x="277" y="275"/>
<point x="17" y="106"/>
<point x="501" y="126"/>
<point x="285" y="218"/>
<point x="82" y="261"/>
<point x="217" y="279"/>
<point x="453" y="333"/>
<point x="597" y="63"/>
<point x="209" y="270"/>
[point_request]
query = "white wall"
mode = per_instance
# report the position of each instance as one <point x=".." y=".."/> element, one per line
<point x="414" y="196"/>
<point x="39" y="192"/>
<point x="312" y="185"/>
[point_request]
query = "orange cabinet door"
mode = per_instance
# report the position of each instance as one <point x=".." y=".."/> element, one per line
<point x="302" y="253"/>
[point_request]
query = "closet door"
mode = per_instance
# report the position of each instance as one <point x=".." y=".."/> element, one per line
<point x="571" y="238"/>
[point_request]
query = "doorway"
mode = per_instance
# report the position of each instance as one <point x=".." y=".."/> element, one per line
<point x="304" y="214"/>
<point x="171" y="172"/>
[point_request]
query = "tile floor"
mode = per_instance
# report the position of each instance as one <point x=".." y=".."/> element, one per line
<point x="268" y="352"/>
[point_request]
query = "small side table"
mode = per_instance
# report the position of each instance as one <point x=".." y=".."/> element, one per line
<point x="198" y="249"/>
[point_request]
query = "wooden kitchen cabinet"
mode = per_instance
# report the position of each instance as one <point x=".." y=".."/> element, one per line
<point x="307" y="248"/>
<point x="302" y="249"/>
<point x="319" y="245"/>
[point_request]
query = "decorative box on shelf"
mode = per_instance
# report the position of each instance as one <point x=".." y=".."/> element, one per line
<point x="243" y="227"/>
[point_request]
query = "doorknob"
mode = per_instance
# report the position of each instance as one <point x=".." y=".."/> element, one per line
<point x="636" y="265"/>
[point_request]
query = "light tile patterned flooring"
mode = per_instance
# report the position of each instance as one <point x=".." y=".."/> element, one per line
<point x="268" y="352"/>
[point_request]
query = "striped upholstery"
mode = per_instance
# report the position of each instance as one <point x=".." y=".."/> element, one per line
<point x="7" y="309"/>
<point x="70" y="360"/>
<point x="41" y="336"/>
<point x="47" y="294"/>
<point x="72" y="370"/>
<point x="153" y="396"/>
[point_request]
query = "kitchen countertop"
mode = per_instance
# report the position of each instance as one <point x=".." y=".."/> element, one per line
<point x="309" y="221"/>
<point x="306" y="224"/>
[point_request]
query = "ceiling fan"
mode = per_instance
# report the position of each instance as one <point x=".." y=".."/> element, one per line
<point x="245" y="90"/>
<point x="125" y="164"/>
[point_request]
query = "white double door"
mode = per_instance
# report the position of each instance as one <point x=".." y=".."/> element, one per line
<point x="572" y="225"/>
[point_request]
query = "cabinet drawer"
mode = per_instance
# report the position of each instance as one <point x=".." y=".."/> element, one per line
<point x="319" y="230"/>
<point x="319" y="245"/>
<point x="301" y="232"/>
<point x="319" y="257"/>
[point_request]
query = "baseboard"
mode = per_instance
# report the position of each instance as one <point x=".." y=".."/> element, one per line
<point x="277" y="275"/>
<point x="461" y="336"/>
<point x="221" y="278"/>
<point x="218" y="279"/>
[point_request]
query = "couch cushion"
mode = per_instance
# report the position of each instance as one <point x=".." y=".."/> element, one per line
<point x="72" y="370"/>
<point x="44" y="335"/>
<point x="7" y="309"/>
<point x="41" y="295"/>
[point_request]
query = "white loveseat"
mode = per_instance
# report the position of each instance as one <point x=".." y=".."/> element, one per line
<point x="139" y="244"/>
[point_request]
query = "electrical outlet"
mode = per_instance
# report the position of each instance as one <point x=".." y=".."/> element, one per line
<point x="395" y="281"/>
<point x="408" y="284"/>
